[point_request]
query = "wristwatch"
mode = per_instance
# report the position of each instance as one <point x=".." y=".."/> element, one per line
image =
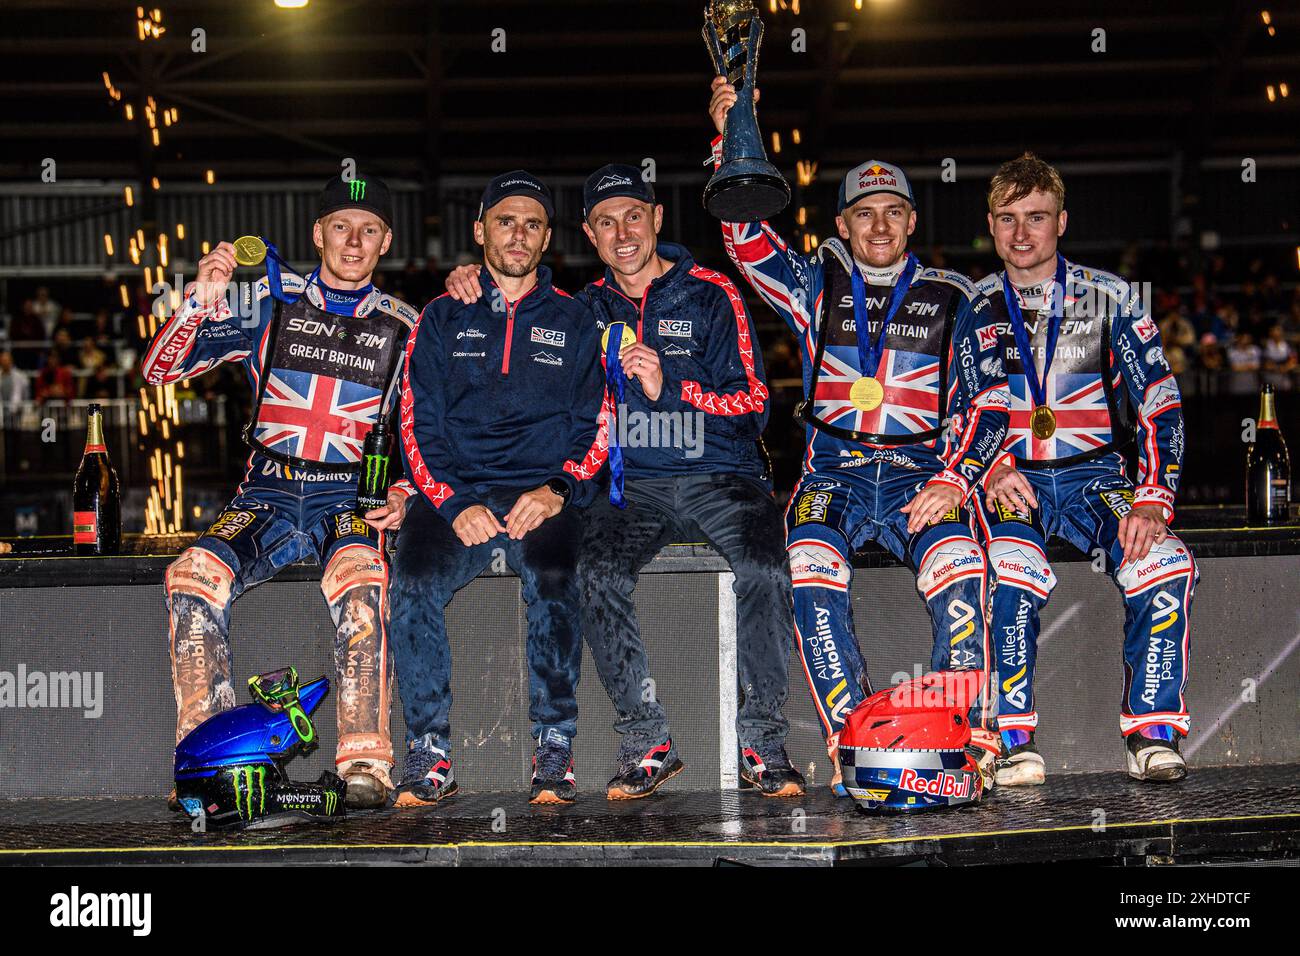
<point x="560" y="488"/>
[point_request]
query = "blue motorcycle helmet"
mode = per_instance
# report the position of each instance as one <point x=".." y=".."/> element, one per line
<point x="230" y="770"/>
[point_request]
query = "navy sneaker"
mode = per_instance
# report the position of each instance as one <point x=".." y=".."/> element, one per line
<point x="427" y="776"/>
<point x="770" y="773"/>
<point x="642" y="770"/>
<point x="1152" y="754"/>
<point x="553" y="780"/>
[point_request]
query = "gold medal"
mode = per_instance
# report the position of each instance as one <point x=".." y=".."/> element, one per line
<point x="249" y="250"/>
<point x="1042" y="422"/>
<point x="629" y="337"/>
<point x="866" y="394"/>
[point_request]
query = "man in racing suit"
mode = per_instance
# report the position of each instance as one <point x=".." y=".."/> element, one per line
<point x="1063" y="475"/>
<point x="682" y="437"/>
<point x="500" y="401"/>
<point x="320" y="354"/>
<point x="880" y="464"/>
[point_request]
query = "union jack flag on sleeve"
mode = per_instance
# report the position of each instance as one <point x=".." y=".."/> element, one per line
<point x="198" y="338"/>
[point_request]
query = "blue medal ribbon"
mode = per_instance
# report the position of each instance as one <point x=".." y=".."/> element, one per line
<point x="1037" y="387"/>
<point x="869" y="352"/>
<point x="274" y="263"/>
<point x="615" y="385"/>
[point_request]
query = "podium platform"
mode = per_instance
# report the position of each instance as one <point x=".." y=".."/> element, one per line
<point x="1217" y="815"/>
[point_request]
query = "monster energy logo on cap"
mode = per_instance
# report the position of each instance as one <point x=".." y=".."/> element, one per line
<point x="357" y="190"/>
<point x="242" y="778"/>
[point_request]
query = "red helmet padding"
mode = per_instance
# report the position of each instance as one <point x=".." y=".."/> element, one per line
<point x="926" y="713"/>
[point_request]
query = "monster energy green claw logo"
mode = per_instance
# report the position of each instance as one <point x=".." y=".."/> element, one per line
<point x="357" y="190"/>
<point x="242" y="778"/>
<point x="376" y="472"/>
<point x="331" y="803"/>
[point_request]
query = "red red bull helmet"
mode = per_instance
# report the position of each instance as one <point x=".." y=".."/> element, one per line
<point x="905" y="748"/>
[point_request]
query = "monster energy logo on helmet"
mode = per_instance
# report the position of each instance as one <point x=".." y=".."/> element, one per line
<point x="242" y="779"/>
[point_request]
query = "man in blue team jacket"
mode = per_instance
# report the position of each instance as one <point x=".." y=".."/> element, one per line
<point x="499" y="411"/>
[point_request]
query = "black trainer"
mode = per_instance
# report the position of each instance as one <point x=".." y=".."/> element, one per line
<point x="770" y="773"/>
<point x="427" y="777"/>
<point x="553" y="780"/>
<point x="641" y="771"/>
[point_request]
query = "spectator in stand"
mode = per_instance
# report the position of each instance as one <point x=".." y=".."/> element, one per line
<point x="54" y="383"/>
<point x="47" y="310"/>
<point x="104" y="335"/>
<point x="26" y="327"/>
<point x="63" y="345"/>
<point x="1212" y="365"/>
<point x="14" y="386"/>
<point x="90" y="356"/>
<point x="1177" y="330"/>
<point x="1279" y="360"/>
<point x="1244" y="359"/>
<point x="1179" y="340"/>
<point x="100" y="384"/>
<point x="1271" y="297"/>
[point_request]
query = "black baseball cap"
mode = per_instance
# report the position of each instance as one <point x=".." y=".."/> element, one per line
<point x="615" y="179"/>
<point x="517" y="182"/>
<point x="370" y="194"/>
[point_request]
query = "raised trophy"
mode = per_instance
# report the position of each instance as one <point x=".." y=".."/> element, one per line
<point x="746" y="187"/>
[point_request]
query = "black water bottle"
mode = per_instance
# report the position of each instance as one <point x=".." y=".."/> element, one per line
<point x="96" y="501"/>
<point x="1268" y="467"/>
<point x="372" y="483"/>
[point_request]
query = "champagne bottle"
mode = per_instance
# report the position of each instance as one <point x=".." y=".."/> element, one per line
<point x="1268" y="468"/>
<point x="96" y="506"/>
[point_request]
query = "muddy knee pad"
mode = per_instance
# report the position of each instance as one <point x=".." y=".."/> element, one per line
<point x="200" y="588"/>
<point x="354" y="585"/>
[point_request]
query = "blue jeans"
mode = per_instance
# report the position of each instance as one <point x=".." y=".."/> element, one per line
<point x="738" y="517"/>
<point x="432" y="564"/>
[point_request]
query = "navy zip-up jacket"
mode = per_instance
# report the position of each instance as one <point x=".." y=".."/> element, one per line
<point x="696" y="320"/>
<point x="504" y="397"/>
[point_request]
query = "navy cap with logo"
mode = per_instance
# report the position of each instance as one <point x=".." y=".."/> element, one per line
<point x="873" y="176"/>
<point x="517" y="182"/>
<point x="357" y="193"/>
<point x="615" y="179"/>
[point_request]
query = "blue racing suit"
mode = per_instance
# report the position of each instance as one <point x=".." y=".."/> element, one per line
<point x="298" y="496"/>
<point x="939" y="418"/>
<point x="1108" y="350"/>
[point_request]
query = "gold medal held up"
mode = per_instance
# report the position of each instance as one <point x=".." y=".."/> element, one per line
<point x="249" y="250"/>
<point x="1042" y="422"/>
<point x="629" y="337"/>
<point x="866" y="394"/>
